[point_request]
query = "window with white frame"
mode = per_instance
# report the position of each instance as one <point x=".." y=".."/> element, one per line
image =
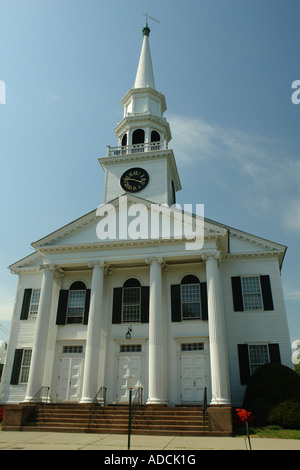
<point x="34" y="303"/>
<point x="25" y="366"/>
<point x="251" y="290"/>
<point x="258" y="355"/>
<point x="76" y="302"/>
<point x="131" y="302"/>
<point x="190" y="298"/>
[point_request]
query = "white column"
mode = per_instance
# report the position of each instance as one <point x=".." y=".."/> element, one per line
<point x="156" y="335"/>
<point x="217" y="333"/>
<point x="37" y="364"/>
<point x="92" y="350"/>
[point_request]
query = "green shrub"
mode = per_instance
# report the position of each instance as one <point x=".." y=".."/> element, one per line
<point x="286" y="414"/>
<point x="273" y="396"/>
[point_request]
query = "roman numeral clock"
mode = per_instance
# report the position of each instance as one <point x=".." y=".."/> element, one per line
<point x="134" y="180"/>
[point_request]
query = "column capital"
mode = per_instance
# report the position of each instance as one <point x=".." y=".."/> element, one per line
<point x="212" y="254"/>
<point x="102" y="264"/>
<point x="158" y="259"/>
<point x="45" y="266"/>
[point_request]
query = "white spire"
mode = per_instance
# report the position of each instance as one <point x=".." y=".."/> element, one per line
<point x="144" y="76"/>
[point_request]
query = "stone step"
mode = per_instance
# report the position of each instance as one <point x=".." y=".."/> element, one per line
<point x="151" y="420"/>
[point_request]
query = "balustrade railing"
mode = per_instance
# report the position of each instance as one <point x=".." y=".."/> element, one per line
<point x="136" y="148"/>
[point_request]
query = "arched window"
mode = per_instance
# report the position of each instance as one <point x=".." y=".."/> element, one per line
<point x="76" y="302"/>
<point x="190" y="298"/>
<point x="138" y="137"/>
<point x="131" y="301"/>
<point x="124" y="140"/>
<point x="155" y="137"/>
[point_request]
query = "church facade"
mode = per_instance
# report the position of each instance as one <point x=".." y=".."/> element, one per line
<point x="100" y="304"/>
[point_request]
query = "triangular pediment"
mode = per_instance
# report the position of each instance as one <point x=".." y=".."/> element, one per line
<point x="91" y="231"/>
<point x="131" y="216"/>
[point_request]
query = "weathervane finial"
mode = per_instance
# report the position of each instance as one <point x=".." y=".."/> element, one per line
<point x="146" y="29"/>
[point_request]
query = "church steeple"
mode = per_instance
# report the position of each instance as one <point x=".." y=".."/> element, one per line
<point x="143" y="137"/>
<point x="144" y="76"/>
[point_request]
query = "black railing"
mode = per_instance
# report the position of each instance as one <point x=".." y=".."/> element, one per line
<point x="136" y="402"/>
<point x="99" y="400"/>
<point x="204" y="406"/>
<point x="133" y="407"/>
<point x="41" y="396"/>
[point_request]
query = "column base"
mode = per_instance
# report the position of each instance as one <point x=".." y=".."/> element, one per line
<point x="156" y="401"/>
<point x="220" y="401"/>
<point x="86" y="400"/>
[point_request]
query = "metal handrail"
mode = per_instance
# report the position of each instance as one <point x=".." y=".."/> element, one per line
<point x="43" y="398"/>
<point x="43" y="394"/>
<point x="133" y="407"/>
<point x="136" y="402"/>
<point x="99" y="400"/>
<point x="204" y="405"/>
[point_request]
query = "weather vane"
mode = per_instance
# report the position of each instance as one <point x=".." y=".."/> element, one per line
<point x="150" y="17"/>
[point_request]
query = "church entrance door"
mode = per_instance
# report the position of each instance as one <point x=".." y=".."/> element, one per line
<point x="193" y="377"/>
<point x="70" y="378"/>
<point x="130" y="364"/>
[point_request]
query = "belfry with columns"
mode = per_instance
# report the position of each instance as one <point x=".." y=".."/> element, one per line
<point x="96" y="312"/>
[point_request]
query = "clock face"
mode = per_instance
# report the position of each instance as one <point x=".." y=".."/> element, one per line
<point x="134" y="180"/>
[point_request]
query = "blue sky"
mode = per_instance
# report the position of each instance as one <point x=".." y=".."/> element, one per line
<point x="226" y="68"/>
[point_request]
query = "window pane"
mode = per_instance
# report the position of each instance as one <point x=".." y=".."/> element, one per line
<point x="25" y="366"/>
<point x="190" y="298"/>
<point x="252" y="293"/>
<point x="131" y="295"/>
<point x="192" y="346"/>
<point x="34" y="301"/>
<point x="259" y="355"/>
<point x="131" y="313"/>
<point x="76" y="306"/>
<point x="130" y="348"/>
<point x="191" y="293"/>
<point x="131" y="304"/>
<point x="190" y="310"/>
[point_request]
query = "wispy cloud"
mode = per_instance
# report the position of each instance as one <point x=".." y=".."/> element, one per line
<point x="291" y="294"/>
<point x="53" y="97"/>
<point x="264" y="175"/>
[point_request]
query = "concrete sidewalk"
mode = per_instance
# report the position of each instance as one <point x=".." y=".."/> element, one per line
<point x="18" y="440"/>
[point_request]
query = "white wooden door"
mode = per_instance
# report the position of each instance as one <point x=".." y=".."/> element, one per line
<point x="70" y="378"/>
<point x="128" y="366"/>
<point x="193" y="375"/>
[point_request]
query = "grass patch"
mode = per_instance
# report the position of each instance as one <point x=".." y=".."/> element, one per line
<point x="273" y="432"/>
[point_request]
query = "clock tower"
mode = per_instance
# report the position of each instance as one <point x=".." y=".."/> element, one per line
<point x="142" y="164"/>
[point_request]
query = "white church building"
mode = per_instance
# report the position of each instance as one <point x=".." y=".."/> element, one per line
<point x="117" y="296"/>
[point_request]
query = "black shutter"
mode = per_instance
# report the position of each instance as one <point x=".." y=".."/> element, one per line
<point x="62" y="307"/>
<point x="274" y="353"/>
<point x="237" y="294"/>
<point x="26" y="304"/>
<point x="266" y="292"/>
<point x="145" y="304"/>
<point x="175" y="302"/>
<point x="87" y="306"/>
<point x="244" y="363"/>
<point x="204" y="308"/>
<point x="16" y="367"/>
<point x="117" y="305"/>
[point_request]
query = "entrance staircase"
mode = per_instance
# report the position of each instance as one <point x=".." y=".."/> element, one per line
<point x="149" y="420"/>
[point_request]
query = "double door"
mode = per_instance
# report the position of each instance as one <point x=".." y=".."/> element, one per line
<point x="130" y="373"/>
<point x="193" y="377"/>
<point x="70" y="378"/>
